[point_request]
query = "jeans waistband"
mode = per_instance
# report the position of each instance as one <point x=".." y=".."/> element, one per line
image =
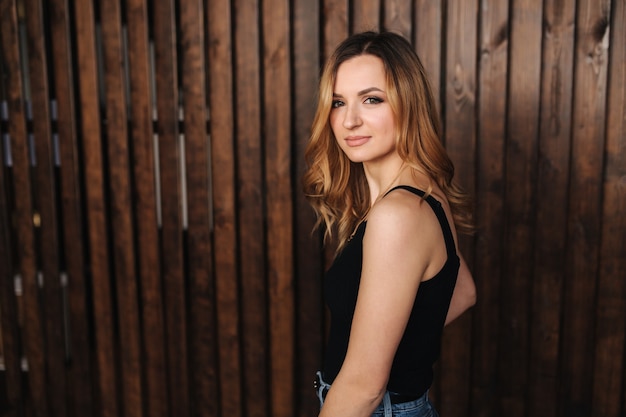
<point x="322" y="387"/>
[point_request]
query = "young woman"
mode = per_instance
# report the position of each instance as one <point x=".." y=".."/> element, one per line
<point x="382" y="185"/>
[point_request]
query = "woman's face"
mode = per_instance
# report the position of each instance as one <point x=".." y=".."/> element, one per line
<point x="361" y="117"/>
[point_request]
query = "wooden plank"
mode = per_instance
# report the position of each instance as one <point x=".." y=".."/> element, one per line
<point x="202" y="329"/>
<point x="608" y="372"/>
<point x="81" y="401"/>
<point x="551" y="223"/>
<point x="96" y="211"/>
<point x="225" y="245"/>
<point x="365" y="15"/>
<point x="252" y="264"/>
<point x="460" y="141"/>
<point x="45" y="202"/>
<point x="335" y="21"/>
<point x="119" y="197"/>
<point x="33" y="330"/>
<point x="277" y="141"/>
<point x="428" y="30"/>
<point x="398" y="15"/>
<point x="585" y="204"/>
<point x="167" y="99"/>
<point x="519" y="203"/>
<point x="308" y="257"/>
<point x="142" y="140"/>
<point x="489" y="216"/>
<point x="12" y="390"/>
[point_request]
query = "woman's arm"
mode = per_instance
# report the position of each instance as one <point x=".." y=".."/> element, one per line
<point x="464" y="295"/>
<point x="400" y="248"/>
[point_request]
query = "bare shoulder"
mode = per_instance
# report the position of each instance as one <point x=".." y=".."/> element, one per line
<point x="402" y="217"/>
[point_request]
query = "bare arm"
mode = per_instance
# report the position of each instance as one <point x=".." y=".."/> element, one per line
<point x="464" y="295"/>
<point x="395" y="260"/>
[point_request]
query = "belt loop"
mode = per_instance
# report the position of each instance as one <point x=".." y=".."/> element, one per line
<point x="387" y="405"/>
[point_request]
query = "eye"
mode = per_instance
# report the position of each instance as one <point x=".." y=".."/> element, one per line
<point x="373" y="100"/>
<point x="337" y="103"/>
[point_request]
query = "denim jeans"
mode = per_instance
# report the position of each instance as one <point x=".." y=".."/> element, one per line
<point x="421" y="407"/>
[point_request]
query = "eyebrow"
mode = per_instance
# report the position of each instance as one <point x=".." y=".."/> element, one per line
<point x="362" y="92"/>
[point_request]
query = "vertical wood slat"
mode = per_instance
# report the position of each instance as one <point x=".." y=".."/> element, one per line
<point x="491" y="119"/>
<point x="167" y="100"/>
<point x="142" y="140"/>
<point x="96" y="212"/>
<point x="119" y="197"/>
<point x="9" y="327"/>
<point x="335" y="23"/>
<point x="551" y="225"/>
<point x="254" y="309"/>
<point x="428" y="33"/>
<point x="365" y="16"/>
<point x="202" y="334"/>
<point x="81" y="393"/>
<point x="398" y="17"/>
<point x="585" y="205"/>
<point x="32" y="327"/>
<point x="279" y="210"/>
<point x="609" y="370"/>
<point x="520" y="192"/>
<point x="45" y="202"/>
<point x="308" y="255"/>
<point x="460" y="142"/>
<point x="221" y="105"/>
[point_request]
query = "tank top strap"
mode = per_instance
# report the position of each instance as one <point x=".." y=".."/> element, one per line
<point x="439" y="212"/>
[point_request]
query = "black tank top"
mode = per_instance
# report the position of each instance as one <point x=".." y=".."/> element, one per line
<point x="419" y="348"/>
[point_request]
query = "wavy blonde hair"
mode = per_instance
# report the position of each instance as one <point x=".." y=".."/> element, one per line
<point x="335" y="186"/>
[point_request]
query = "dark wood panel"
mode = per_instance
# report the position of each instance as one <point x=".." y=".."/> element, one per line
<point x="551" y="225"/>
<point x="120" y="206"/>
<point x="308" y="256"/>
<point x="335" y="23"/>
<point x="278" y="153"/>
<point x="251" y="212"/>
<point x="223" y="161"/>
<point x="80" y="372"/>
<point x="145" y="216"/>
<point x="520" y="198"/>
<point x="167" y="104"/>
<point x="202" y="324"/>
<point x="398" y="17"/>
<point x="427" y="40"/>
<point x="460" y="142"/>
<point x="32" y="327"/>
<point x="365" y="15"/>
<point x="96" y="211"/>
<point x="585" y="203"/>
<point x="608" y="381"/>
<point x="44" y="191"/>
<point x="489" y="215"/>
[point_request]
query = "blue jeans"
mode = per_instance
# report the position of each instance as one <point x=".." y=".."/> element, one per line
<point x="421" y="407"/>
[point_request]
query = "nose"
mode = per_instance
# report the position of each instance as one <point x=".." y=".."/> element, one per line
<point x="351" y="118"/>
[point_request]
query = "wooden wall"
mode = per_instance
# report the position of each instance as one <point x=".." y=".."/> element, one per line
<point x="155" y="249"/>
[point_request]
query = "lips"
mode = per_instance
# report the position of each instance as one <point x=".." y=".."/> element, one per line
<point x="354" y="141"/>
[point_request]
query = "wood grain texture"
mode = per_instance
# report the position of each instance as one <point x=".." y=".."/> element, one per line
<point x="366" y="15"/>
<point x="223" y="161"/>
<point x="252" y="213"/>
<point x="489" y="216"/>
<point x="585" y="203"/>
<point x="308" y="255"/>
<point x="90" y="135"/>
<point x="609" y="369"/>
<point x="550" y="225"/>
<point x="80" y="373"/>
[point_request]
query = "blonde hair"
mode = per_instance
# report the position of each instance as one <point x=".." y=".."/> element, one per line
<point x="335" y="186"/>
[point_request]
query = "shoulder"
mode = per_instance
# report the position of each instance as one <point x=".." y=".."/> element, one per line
<point x="401" y="218"/>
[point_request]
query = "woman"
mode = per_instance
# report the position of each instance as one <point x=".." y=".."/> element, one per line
<point x="379" y="178"/>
